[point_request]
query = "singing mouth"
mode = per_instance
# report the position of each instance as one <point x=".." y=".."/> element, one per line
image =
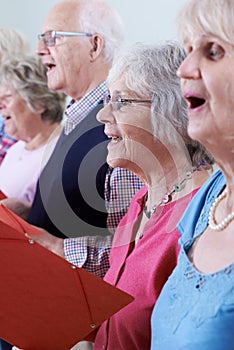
<point x="194" y="101"/>
<point x="49" y="66"/>
<point x="115" y="139"/>
<point x="7" y="117"/>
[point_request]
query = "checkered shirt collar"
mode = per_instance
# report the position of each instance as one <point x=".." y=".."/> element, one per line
<point x="76" y="111"/>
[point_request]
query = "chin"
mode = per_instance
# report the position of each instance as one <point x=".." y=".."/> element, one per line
<point x="54" y="84"/>
<point x="118" y="163"/>
<point x="196" y="132"/>
<point x="114" y="163"/>
<point x="10" y="132"/>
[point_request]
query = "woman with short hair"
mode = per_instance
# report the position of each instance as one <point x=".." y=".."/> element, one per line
<point x="33" y="116"/>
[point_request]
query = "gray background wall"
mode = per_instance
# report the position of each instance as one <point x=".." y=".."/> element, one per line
<point x="147" y="20"/>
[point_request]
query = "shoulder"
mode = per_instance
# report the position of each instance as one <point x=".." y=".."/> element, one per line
<point x="16" y="148"/>
<point x="200" y="204"/>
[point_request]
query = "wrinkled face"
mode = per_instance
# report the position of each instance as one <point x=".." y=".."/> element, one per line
<point x="128" y="125"/>
<point x="19" y="120"/>
<point x="207" y="81"/>
<point x="68" y="61"/>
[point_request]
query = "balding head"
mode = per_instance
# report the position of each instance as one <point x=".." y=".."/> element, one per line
<point x="77" y="64"/>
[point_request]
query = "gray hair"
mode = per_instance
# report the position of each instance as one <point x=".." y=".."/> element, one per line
<point x="209" y="17"/>
<point x="150" y="71"/>
<point x="98" y="17"/>
<point x="27" y="76"/>
<point x="12" y="43"/>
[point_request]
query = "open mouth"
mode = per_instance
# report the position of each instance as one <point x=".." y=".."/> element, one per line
<point x="49" y="66"/>
<point x="115" y="139"/>
<point x="195" y="102"/>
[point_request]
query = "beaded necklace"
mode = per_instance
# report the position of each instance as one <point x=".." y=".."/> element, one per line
<point x="168" y="196"/>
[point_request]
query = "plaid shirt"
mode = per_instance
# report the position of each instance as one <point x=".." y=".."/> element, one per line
<point x="92" y="253"/>
<point x="6" y="141"/>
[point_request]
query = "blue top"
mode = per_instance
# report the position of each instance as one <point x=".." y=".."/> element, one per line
<point x="195" y="310"/>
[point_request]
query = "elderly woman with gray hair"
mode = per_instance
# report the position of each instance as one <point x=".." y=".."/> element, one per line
<point x="32" y="115"/>
<point x="12" y="43"/>
<point x="196" y="307"/>
<point x="145" y="119"/>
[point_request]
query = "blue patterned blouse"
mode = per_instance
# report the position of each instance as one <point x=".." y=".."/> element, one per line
<point x="195" y="311"/>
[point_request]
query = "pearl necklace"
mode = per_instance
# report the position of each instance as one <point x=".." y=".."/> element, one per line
<point x="212" y="221"/>
<point x="168" y="196"/>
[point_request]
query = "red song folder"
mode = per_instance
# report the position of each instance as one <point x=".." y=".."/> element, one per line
<point x="2" y="195"/>
<point x="46" y="303"/>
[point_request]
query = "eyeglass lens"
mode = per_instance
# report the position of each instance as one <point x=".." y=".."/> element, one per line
<point x="116" y="102"/>
<point x="48" y="38"/>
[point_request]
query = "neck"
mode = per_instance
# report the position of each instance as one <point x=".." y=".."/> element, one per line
<point x="156" y="192"/>
<point x="92" y="79"/>
<point x="46" y="134"/>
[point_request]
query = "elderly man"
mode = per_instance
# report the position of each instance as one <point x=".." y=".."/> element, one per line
<point x="77" y="44"/>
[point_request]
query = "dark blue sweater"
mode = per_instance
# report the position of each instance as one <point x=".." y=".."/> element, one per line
<point x="69" y="200"/>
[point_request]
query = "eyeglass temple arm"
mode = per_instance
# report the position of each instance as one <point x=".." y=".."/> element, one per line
<point x="72" y="34"/>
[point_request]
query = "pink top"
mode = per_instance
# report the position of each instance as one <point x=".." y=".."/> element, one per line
<point x="140" y="271"/>
<point x="20" y="170"/>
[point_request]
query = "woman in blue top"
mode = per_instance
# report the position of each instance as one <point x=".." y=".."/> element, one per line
<point x="196" y="307"/>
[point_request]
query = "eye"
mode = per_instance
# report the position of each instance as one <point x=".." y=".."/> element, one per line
<point x="7" y="98"/>
<point x="58" y="36"/>
<point x="124" y="101"/>
<point x="58" y="39"/>
<point x="215" y="52"/>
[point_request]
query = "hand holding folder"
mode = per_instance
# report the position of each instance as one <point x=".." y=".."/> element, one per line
<point x="46" y="302"/>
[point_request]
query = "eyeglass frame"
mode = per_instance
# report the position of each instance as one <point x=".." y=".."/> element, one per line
<point x="107" y="99"/>
<point x="55" y="34"/>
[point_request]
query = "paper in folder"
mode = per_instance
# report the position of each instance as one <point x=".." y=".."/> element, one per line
<point x="46" y="303"/>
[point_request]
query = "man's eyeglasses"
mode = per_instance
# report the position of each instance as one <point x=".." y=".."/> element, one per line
<point x="50" y="36"/>
<point x="118" y="102"/>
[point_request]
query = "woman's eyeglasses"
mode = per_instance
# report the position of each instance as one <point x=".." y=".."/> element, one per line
<point x="118" y="102"/>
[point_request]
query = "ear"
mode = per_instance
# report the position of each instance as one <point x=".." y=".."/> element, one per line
<point x="97" y="46"/>
<point x="40" y="111"/>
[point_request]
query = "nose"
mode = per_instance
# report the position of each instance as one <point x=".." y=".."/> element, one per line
<point x="41" y="48"/>
<point x="190" y="67"/>
<point x="105" y="115"/>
